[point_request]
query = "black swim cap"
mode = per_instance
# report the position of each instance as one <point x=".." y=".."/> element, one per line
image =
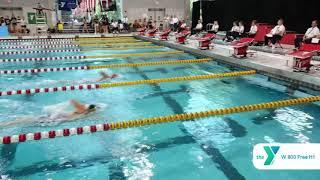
<point x="91" y="106"/>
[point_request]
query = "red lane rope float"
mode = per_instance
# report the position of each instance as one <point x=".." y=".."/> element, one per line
<point x="39" y="51"/>
<point x="40" y="46"/>
<point x="125" y="83"/>
<point x="150" y="121"/>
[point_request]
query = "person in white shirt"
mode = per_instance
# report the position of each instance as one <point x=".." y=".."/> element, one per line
<point x="309" y="35"/>
<point x="175" y="23"/>
<point x="233" y="33"/>
<point x="253" y="29"/>
<point x="171" y="23"/>
<point x="276" y="34"/>
<point x="198" y="27"/>
<point x="114" y="26"/>
<point x="125" y="21"/>
<point x="215" y="27"/>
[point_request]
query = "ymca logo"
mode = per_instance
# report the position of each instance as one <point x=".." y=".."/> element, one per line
<point x="271" y="153"/>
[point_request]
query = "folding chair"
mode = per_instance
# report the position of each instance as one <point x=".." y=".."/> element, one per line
<point x="209" y="28"/>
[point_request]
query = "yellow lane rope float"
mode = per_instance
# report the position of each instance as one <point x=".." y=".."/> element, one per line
<point x="121" y="48"/>
<point x="126" y="83"/>
<point x="103" y="38"/>
<point x="60" y="69"/>
<point x="136" y="54"/>
<point x="101" y="41"/>
<point x="67" y="132"/>
<point x="106" y="42"/>
<point x="168" y="62"/>
<point x="151" y="54"/>
<point x="116" y="44"/>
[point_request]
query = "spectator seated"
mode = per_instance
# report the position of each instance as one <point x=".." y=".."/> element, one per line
<point x="142" y="31"/>
<point x="275" y="35"/>
<point x="164" y="34"/>
<point x="152" y="32"/>
<point x="181" y="37"/>
<point x="241" y="47"/>
<point x="205" y="41"/>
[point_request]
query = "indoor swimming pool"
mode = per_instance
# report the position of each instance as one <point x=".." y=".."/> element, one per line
<point x="219" y="146"/>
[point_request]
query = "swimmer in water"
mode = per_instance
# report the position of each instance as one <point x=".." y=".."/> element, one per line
<point x="105" y="76"/>
<point x="80" y="111"/>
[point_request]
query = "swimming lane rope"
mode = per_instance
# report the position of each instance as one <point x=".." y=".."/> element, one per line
<point x="151" y="121"/>
<point x="106" y="44"/>
<point x="89" y="57"/>
<point x="77" y="50"/>
<point x="36" y="40"/>
<point x="60" y="69"/>
<point x="126" y="83"/>
<point x="39" y="51"/>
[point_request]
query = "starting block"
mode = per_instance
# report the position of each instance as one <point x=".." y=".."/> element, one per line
<point x="142" y="31"/>
<point x="164" y="35"/>
<point x="205" y="41"/>
<point x="302" y="61"/>
<point x="181" y="37"/>
<point x="241" y="46"/>
<point x="152" y="33"/>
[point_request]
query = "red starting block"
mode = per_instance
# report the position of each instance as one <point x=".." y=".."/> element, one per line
<point x="152" y="33"/>
<point x="142" y="31"/>
<point x="302" y="61"/>
<point x="241" y="46"/>
<point x="181" y="37"/>
<point x="164" y="35"/>
<point x="205" y="41"/>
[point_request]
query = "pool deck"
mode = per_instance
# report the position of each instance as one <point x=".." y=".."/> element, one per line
<point x="276" y="66"/>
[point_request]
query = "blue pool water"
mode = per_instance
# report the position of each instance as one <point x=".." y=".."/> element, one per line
<point x="210" y="148"/>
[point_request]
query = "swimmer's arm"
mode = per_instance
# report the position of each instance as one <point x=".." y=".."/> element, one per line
<point x="77" y="105"/>
<point x="103" y="78"/>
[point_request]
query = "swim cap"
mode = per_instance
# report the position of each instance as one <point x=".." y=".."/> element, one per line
<point x="91" y="106"/>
